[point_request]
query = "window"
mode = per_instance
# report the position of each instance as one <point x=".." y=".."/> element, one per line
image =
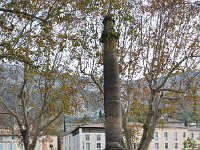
<point x="134" y="146"/>
<point x="176" y="146"/>
<point x="1" y="146"/>
<point x="87" y="146"/>
<point x="192" y="135"/>
<point x="87" y="137"/>
<point x="65" y="139"/>
<point x="98" y="146"/>
<point x="98" y="137"/>
<point x="69" y="143"/>
<point x="165" y="136"/>
<point x="156" y="136"/>
<point x="166" y="146"/>
<point x="156" y="145"/>
<point x="184" y="134"/>
<point x="11" y="146"/>
<point x="175" y="136"/>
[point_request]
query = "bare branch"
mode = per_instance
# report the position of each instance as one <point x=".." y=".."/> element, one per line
<point x="5" y="55"/>
<point x="170" y="73"/>
<point x="7" y="108"/>
<point x="5" y="113"/>
<point x="12" y="113"/>
<point x="171" y="90"/>
<point x="172" y="98"/>
<point x="94" y="80"/>
<point x="23" y="13"/>
<point x="37" y="117"/>
<point x="52" y="120"/>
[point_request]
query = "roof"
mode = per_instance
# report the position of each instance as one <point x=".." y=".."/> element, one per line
<point x="193" y="129"/>
<point x="6" y="132"/>
<point x="135" y="124"/>
<point x="100" y="126"/>
<point x="173" y="121"/>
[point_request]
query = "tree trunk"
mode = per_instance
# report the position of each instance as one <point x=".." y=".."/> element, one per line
<point x="33" y="144"/>
<point x="26" y="140"/>
<point x="59" y="142"/>
<point x="149" y="128"/>
<point x="25" y="137"/>
<point x="128" y="134"/>
<point x="112" y="106"/>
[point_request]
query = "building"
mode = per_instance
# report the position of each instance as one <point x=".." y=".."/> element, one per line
<point x="85" y="137"/>
<point x="11" y="141"/>
<point x="171" y="135"/>
<point x="8" y="140"/>
<point x="168" y="136"/>
<point x="47" y="143"/>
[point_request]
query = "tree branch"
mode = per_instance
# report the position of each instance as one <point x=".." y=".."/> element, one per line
<point x="5" y="55"/>
<point x="170" y="73"/>
<point x="5" y="113"/>
<point x="170" y="90"/>
<point x="12" y="113"/>
<point x="23" y="13"/>
<point x="52" y="120"/>
<point x="93" y="79"/>
<point x="172" y="98"/>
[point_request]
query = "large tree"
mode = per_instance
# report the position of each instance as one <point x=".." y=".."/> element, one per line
<point x="34" y="99"/>
<point x="33" y="38"/>
<point x="170" y="46"/>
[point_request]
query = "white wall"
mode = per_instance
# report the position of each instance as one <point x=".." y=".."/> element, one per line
<point x="78" y="142"/>
<point x="8" y="141"/>
<point x="93" y="140"/>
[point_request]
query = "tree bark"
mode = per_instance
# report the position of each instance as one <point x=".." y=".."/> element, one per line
<point x="112" y="106"/>
<point x="149" y="126"/>
<point x="127" y="132"/>
<point x="25" y="137"/>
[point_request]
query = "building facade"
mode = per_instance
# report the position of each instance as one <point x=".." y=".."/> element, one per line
<point x="169" y="136"/>
<point x="47" y="143"/>
<point x="11" y="141"/>
<point x="172" y="138"/>
<point x="8" y="140"/>
<point x="86" y="137"/>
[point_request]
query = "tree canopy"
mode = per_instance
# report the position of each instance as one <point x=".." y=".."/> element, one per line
<point x="60" y="39"/>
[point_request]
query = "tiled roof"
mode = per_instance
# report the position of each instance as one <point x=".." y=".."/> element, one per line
<point x="6" y="132"/>
<point x="136" y="124"/>
<point x="193" y="129"/>
<point x="174" y="121"/>
<point x="100" y="125"/>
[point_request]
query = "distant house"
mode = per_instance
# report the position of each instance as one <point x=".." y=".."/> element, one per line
<point x="85" y="137"/>
<point x="8" y="140"/>
<point x="12" y="141"/>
